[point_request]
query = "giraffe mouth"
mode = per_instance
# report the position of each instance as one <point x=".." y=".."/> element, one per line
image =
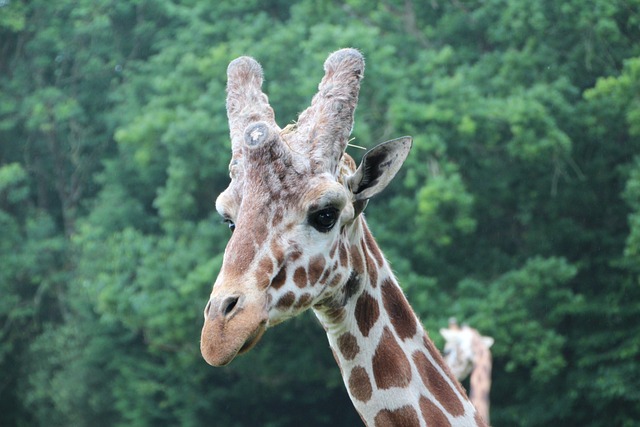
<point x="225" y="335"/>
<point x="253" y="339"/>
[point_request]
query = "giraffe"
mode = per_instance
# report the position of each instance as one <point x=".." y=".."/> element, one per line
<point x="299" y="241"/>
<point x="467" y="352"/>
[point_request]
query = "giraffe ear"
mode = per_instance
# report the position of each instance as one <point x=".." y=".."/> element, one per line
<point x="378" y="167"/>
<point x="447" y="334"/>
<point x="487" y="341"/>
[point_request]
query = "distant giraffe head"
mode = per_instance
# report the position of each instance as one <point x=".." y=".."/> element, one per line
<point x="293" y="197"/>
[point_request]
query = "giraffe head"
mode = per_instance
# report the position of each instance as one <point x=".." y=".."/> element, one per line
<point x="461" y="347"/>
<point x="293" y="197"/>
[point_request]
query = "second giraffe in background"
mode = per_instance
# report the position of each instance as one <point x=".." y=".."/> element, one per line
<point x="467" y="352"/>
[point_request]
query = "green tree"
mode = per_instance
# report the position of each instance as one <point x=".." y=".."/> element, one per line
<point x="517" y="211"/>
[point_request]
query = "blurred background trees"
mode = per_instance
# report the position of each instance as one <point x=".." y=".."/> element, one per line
<point x="518" y="210"/>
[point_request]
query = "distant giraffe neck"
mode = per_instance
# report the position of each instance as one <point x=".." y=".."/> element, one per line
<point x="480" y="380"/>
<point x="392" y="371"/>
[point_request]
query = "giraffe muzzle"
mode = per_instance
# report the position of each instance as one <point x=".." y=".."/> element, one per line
<point x="233" y="324"/>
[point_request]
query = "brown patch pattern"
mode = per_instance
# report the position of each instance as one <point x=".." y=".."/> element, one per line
<point x="325" y="276"/>
<point x="435" y="354"/>
<point x="366" y="313"/>
<point x="280" y="278"/>
<point x="391" y="368"/>
<point x="316" y="267"/>
<point x="335" y="280"/>
<point x="398" y="310"/>
<point x="300" y="277"/>
<point x="344" y="255"/>
<point x="356" y="259"/>
<point x="372" y="270"/>
<point x="336" y="315"/>
<point x="303" y="301"/>
<point x="437" y="385"/>
<point x="352" y="286"/>
<point x="373" y="247"/>
<point x="277" y="217"/>
<point x="348" y="345"/>
<point x="432" y="414"/>
<point x="332" y="252"/>
<point x="359" y="384"/>
<point x="295" y="255"/>
<point x="404" y="416"/>
<point x="276" y="251"/>
<point x="265" y="269"/>
<point x="286" y="300"/>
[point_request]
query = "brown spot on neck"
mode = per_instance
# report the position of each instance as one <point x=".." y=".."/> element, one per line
<point x="366" y="313"/>
<point x="405" y="416"/>
<point x="435" y="355"/>
<point x="351" y="287"/>
<point x="398" y="310"/>
<point x="344" y="255"/>
<point x="332" y="252"/>
<point x="357" y="263"/>
<point x="372" y="268"/>
<point x="373" y="247"/>
<point x="438" y="385"/>
<point x="348" y="345"/>
<point x="432" y="414"/>
<point x="391" y="368"/>
<point x="359" y="384"/>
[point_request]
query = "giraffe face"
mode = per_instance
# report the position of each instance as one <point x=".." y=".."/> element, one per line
<point x="284" y="223"/>
<point x="458" y="351"/>
<point x="461" y="347"/>
<point x="277" y="264"/>
<point x="293" y="195"/>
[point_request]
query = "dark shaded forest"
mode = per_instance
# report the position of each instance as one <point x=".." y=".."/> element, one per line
<point x="518" y="210"/>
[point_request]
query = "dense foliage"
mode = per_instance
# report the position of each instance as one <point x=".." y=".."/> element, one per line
<point x="518" y="210"/>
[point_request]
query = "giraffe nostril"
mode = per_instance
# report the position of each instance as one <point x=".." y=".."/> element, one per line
<point x="229" y="305"/>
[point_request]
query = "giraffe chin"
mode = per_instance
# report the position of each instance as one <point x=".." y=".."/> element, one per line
<point x="219" y="349"/>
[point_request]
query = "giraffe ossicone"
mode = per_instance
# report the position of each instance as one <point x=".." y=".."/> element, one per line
<point x="300" y="242"/>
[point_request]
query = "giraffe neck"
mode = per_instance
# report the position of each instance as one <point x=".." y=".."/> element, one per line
<point x="392" y="370"/>
<point x="480" y="380"/>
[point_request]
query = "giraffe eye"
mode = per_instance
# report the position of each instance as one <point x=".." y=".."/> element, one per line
<point x="324" y="219"/>
<point x="231" y="224"/>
